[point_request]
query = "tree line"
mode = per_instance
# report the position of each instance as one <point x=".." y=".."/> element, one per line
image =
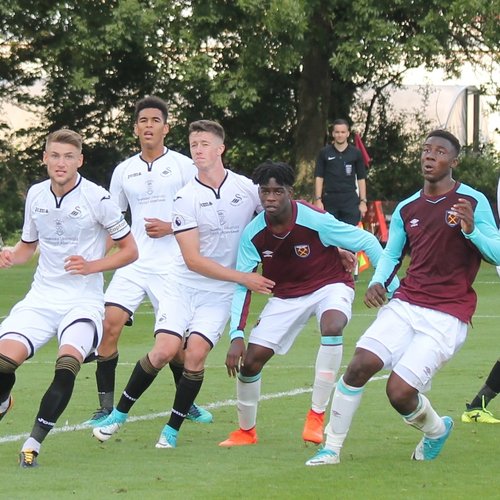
<point x="275" y="73"/>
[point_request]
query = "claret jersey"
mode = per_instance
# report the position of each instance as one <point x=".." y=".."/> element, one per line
<point x="302" y="260"/>
<point x="76" y="224"/>
<point x="149" y="189"/>
<point x="440" y="280"/>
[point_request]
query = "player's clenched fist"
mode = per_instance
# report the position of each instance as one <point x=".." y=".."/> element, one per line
<point x="6" y="258"/>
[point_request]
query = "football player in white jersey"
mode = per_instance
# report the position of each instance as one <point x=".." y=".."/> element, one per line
<point x="209" y="215"/>
<point x="146" y="183"/>
<point x="69" y="219"/>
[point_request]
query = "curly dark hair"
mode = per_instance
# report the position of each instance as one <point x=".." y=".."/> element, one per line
<point x="283" y="173"/>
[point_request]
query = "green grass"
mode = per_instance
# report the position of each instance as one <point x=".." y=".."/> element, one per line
<point x="376" y="456"/>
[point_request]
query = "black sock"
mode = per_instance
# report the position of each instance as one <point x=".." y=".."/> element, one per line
<point x="7" y="381"/>
<point x="177" y="370"/>
<point x="56" y="398"/>
<point x="489" y="390"/>
<point x="105" y="376"/>
<point x="493" y="380"/>
<point x="189" y="387"/>
<point x="7" y="376"/>
<point x="142" y="377"/>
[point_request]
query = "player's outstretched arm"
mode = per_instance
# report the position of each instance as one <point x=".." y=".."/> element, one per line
<point x="19" y="254"/>
<point x="235" y="356"/>
<point x="190" y="248"/>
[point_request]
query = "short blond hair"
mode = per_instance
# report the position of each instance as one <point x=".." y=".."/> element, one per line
<point x="65" y="136"/>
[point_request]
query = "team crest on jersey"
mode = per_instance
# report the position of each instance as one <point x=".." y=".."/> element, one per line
<point x="59" y="227"/>
<point x="451" y="218"/>
<point x="222" y="217"/>
<point x="238" y="198"/>
<point x="166" y="172"/>
<point x="77" y="211"/>
<point x="302" y="251"/>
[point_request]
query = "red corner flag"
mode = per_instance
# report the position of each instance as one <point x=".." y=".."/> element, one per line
<point x="364" y="153"/>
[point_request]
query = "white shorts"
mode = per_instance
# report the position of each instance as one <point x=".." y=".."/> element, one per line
<point x="282" y="320"/>
<point x="413" y="341"/>
<point x="34" y="325"/>
<point x="184" y="309"/>
<point x="127" y="292"/>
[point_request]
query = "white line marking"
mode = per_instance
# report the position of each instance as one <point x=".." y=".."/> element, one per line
<point x="152" y="416"/>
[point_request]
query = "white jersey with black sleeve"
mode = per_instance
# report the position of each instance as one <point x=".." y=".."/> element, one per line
<point x="76" y="224"/>
<point x="220" y="216"/>
<point x="149" y="190"/>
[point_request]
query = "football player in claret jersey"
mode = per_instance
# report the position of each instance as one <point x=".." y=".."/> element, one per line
<point x="298" y="246"/>
<point x="447" y="228"/>
<point x="146" y="183"/>
<point x="209" y="215"/>
<point x="69" y="219"/>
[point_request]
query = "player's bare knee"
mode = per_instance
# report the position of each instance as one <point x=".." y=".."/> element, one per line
<point x="111" y="330"/>
<point x="403" y="398"/>
<point x="159" y="358"/>
<point x="251" y="367"/>
<point x="332" y="323"/>
<point x="362" y="367"/>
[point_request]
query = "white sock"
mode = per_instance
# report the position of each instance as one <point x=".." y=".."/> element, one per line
<point x="4" y="405"/>
<point x="248" y="393"/>
<point x="327" y="366"/>
<point x="425" y="419"/>
<point x="345" y="402"/>
<point x="31" y="444"/>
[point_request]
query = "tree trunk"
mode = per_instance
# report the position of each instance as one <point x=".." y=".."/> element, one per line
<point x="312" y="115"/>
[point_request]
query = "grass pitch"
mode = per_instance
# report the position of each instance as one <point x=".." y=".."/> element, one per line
<point x="375" y="459"/>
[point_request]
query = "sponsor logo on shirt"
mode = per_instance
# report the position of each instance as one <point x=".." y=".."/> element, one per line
<point x="332" y="157"/>
<point x="302" y="251"/>
<point x="348" y="169"/>
<point x="414" y="223"/>
<point x="451" y="219"/>
<point x="267" y="253"/>
<point x="206" y="204"/>
<point x="149" y="187"/>
<point x="135" y="174"/>
<point x="39" y="210"/>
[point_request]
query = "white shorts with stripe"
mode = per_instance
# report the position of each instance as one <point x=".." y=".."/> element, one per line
<point x="128" y="291"/>
<point x="282" y="320"/>
<point x="34" y="324"/>
<point x="184" y="309"/>
<point x="413" y="341"/>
